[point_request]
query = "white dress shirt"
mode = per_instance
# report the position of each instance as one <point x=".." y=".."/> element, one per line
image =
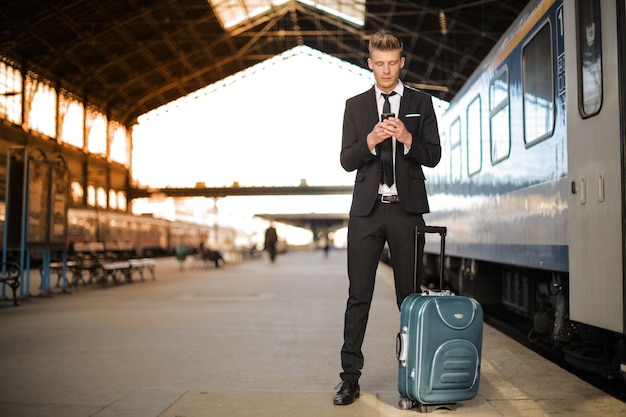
<point x="394" y="102"/>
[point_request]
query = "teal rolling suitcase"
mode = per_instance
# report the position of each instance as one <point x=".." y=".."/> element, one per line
<point x="439" y="345"/>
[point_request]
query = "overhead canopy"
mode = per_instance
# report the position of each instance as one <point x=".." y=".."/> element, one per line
<point x="128" y="57"/>
<point x="316" y="222"/>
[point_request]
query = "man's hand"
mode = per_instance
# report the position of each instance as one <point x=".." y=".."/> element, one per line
<point x="387" y="128"/>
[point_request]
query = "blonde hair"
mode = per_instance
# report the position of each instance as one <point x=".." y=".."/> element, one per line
<point x="384" y="41"/>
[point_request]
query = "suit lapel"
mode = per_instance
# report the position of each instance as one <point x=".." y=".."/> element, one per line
<point x="371" y="108"/>
<point x="406" y="106"/>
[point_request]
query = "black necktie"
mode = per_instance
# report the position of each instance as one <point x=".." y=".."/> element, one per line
<point x="386" y="153"/>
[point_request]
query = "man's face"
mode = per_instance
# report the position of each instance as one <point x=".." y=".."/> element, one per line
<point x="386" y="66"/>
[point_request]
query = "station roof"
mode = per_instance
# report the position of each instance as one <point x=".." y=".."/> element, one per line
<point x="128" y="57"/>
<point x="316" y="222"/>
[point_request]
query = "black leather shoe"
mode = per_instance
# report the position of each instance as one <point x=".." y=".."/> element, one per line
<point x="348" y="392"/>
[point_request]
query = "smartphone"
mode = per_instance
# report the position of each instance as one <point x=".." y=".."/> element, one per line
<point x="385" y="116"/>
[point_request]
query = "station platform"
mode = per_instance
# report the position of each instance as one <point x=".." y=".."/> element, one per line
<point x="249" y="339"/>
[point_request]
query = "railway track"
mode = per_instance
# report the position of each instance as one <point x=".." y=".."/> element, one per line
<point x="517" y="328"/>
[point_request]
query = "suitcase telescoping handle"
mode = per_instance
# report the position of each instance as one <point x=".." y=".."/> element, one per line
<point x="442" y="231"/>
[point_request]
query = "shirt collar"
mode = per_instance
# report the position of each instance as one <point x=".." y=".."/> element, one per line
<point x="399" y="89"/>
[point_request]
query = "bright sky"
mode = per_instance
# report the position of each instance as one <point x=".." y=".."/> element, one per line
<point x="274" y="124"/>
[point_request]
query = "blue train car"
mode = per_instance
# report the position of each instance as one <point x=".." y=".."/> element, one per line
<point x="532" y="178"/>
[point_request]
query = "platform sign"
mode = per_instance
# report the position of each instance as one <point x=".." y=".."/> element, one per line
<point x="59" y="197"/>
<point x="14" y="200"/>
<point x="36" y="199"/>
<point x="38" y="194"/>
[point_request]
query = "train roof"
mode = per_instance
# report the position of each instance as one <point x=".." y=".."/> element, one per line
<point x="509" y="40"/>
<point x="127" y="57"/>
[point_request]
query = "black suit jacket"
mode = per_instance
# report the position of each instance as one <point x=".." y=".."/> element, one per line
<point x="360" y="116"/>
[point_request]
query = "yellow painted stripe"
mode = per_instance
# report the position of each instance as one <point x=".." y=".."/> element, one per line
<point x="521" y="33"/>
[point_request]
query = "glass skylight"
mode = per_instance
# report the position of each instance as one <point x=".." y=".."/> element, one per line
<point x="234" y="12"/>
<point x="351" y="10"/>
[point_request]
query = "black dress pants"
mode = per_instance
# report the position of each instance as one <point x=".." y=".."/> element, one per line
<point x="387" y="222"/>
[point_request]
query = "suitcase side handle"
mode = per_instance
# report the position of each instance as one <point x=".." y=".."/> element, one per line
<point x="401" y="344"/>
<point x="442" y="231"/>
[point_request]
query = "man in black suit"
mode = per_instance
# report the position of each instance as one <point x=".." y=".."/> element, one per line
<point x="384" y="209"/>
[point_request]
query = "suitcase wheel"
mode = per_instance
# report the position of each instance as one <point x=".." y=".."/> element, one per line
<point x="429" y="408"/>
<point x="405" y="403"/>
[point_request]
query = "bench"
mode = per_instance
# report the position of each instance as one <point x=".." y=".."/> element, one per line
<point x="115" y="270"/>
<point x="104" y="260"/>
<point x="85" y="260"/>
<point x="10" y="275"/>
<point x="141" y="264"/>
<point x="56" y="267"/>
<point x="115" y="261"/>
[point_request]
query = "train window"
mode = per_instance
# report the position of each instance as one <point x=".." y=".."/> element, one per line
<point x="589" y="57"/>
<point x="474" y="137"/>
<point x="538" y="86"/>
<point x="499" y="117"/>
<point x="455" y="151"/>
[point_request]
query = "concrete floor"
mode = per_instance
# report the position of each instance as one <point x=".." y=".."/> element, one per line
<point x="250" y="339"/>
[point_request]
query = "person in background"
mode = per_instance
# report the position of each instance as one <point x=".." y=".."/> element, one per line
<point x="271" y="238"/>
<point x="386" y="206"/>
<point x="181" y="254"/>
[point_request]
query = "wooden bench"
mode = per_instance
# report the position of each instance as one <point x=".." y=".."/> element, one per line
<point x="115" y="270"/>
<point x="104" y="260"/>
<point x="56" y="267"/>
<point x="141" y="264"/>
<point x="115" y="262"/>
<point x="150" y="265"/>
<point x="10" y="275"/>
<point x="99" y="261"/>
<point x="85" y="258"/>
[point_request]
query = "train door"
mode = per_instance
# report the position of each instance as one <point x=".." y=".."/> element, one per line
<point x="595" y="162"/>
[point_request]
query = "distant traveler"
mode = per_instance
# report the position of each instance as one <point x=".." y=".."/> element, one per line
<point x="181" y="254"/>
<point x="385" y="208"/>
<point x="271" y="238"/>
<point x="210" y="255"/>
